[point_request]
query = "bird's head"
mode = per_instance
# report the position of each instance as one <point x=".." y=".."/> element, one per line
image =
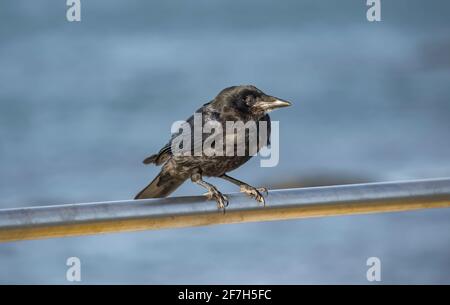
<point x="249" y="100"/>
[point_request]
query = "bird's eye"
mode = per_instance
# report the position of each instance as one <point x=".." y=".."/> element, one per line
<point x="247" y="100"/>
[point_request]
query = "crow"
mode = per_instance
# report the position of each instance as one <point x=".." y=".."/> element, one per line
<point x="245" y="104"/>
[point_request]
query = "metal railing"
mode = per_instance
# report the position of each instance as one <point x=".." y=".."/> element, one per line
<point x="134" y="215"/>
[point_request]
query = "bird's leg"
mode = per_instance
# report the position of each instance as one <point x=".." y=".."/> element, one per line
<point x="213" y="192"/>
<point x="248" y="189"/>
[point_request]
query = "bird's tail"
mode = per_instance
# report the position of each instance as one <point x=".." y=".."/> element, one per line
<point x="162" y="186"/>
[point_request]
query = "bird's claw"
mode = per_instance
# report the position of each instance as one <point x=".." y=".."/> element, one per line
<point x="255" y="193"/>
<point x="221" y="199"/>
<point x="264" y="190"/>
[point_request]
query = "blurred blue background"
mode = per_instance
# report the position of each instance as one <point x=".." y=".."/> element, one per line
<point x="82" y="104"/>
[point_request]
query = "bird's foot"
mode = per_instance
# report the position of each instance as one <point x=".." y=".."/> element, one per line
<point x="255" y="193"/>
<point x="221" y="199"/>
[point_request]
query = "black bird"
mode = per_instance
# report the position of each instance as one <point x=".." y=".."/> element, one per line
<point x="237" y="103"/>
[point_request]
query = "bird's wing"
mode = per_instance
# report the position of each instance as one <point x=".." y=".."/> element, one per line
<point x="166" y="152"/>
<point x="161" y="157"/>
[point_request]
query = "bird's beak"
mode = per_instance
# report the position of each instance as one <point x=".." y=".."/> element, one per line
<point x="270" y="103"/>
<point x="279" y="103"/>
